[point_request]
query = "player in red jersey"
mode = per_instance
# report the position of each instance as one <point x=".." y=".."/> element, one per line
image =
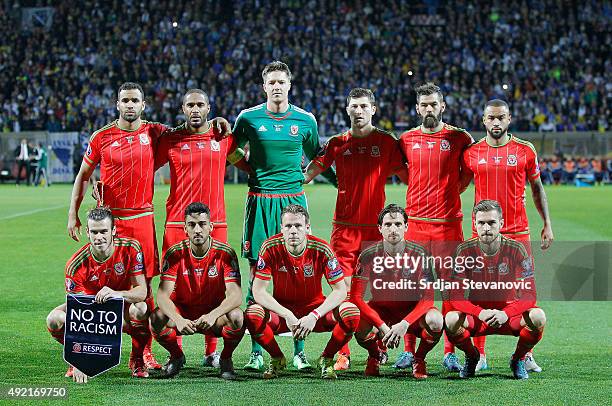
<point x="199" y="292"/>
<point x="295" y="262"/>
<point x="365" y="157"/>
<point x="197" y="174"/>
<point x="433" y="152"/>
<point x="395" y="306"/>
<point x="124" y="149"/>
<point x="507" y="305"/>
<point x="107" y="267"/>
<point x="501" y="164"/>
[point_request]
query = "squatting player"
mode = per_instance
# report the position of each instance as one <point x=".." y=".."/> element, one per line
<point x="197" y="172"/>
<point x="501" y="163"/>
<point x="295" y="261"/>
<point x="199" y="292"/>
<point x="365" y="157"/>
<point x="494" y="310"/>
<point x="393" y="311"/>
<point x="278" y="134"/>
<point x="433" y="151"/>
<point x="108" y="266"/>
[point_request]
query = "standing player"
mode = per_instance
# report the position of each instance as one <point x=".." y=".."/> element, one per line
<point x="279" y="134"/>
<point x="392" y="312"/>
<point x="365" y="157"/>
<point x="107" y="267"/>
<point x="295" y="262"/>
<point x="197" y="174"/>
<point x="494" y="260"/>
<point x="433" y="151"/>
<point x="501" y="163"/>
<point x="199" y="292"/>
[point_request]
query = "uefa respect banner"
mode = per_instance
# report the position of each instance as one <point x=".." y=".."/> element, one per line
<point x="92" y="335"/>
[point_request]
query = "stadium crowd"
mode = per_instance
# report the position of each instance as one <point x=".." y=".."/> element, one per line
<point x="554" y="71"/>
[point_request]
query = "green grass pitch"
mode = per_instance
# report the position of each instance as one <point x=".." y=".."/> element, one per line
<point x="575" y="352"/>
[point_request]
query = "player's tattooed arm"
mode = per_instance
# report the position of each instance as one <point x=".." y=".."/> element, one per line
<point x="265" y="299"/>
<point x="78" y="191"/>
<point x="541" y="202"/>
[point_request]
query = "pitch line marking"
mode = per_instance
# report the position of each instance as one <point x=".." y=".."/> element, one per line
<point x="25" y="213"/>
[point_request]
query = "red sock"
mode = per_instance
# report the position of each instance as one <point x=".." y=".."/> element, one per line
<point x="371" y="344"/>
<point x="167" y="338"/>
<point x="409" y="342"/>
<point x="464" y="343"/>
<point x="58" y="335"/>
<point x="179" y="341"/>
<point x="141" y="335"/>
<point x="479" y="343"/>
<point x="382" y="346"/>
<point x="448" y="345"/>
<point x="343" y="331"/>
<point x="527" y="339"/>
<point x="345" y="350"/>
<point x="210" y="344"/>
<point x="151" y="305"/>
<point x="428" y="342"/>
<point x="231" y="339"/>
<point x="261" y="332"/>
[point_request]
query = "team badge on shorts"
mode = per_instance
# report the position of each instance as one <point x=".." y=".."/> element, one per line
<point x="294" y="129"/>
<point x="511" y="160"/>
<point x="212" y="271"/>
<point x="214" y="146"/>
<point x="444" y="145"/>
<point x="308" y="270"/>
<point x="144" y="139"/>
<point x="119" y="268"/>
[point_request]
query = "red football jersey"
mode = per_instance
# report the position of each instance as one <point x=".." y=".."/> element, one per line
<point x="434" y="166"/>
<point x="398" y="289"/>
<point x="297" y="280"/>
<point x="511" y="263"/>
<point x="197" y="170"/>
<point x="126" y="163"/>
<point x="84" y="274"/>
<point x="362" y="167"/>
<point x="200" y="281"/>
<point x="500" y="173"/>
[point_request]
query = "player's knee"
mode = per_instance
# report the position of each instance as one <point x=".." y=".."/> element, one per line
<point x="157" y="320"/>
<point x="254" y="314"/>
<point x="349" y="315"/>
<point x="235" y="318"/>
<point x="138" y="311"/>
<point x="434" y="320"/>
<point x="452" y="321"/>
<point x="538" y="318"/>
<point x="56" y="319"/>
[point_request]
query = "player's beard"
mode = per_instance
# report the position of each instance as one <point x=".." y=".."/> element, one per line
<point x="130" y="118"/>
<point x="498" y="135"/>
<point x="431" y="121"/>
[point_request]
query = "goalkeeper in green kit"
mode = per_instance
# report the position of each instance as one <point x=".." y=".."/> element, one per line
<point x="279" y="134"/>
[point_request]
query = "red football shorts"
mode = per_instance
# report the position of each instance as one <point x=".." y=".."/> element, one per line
<point x="348" y="242"/>
<point x="141" y="227"/>
<point x="279" y="325"/>
<point x="175" y="233"/>
<point x="512" y="327"/>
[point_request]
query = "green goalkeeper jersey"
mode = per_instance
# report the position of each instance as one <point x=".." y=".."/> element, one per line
<point x="277" y="142"/>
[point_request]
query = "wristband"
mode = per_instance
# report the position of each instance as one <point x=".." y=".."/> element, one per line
<point x="316" y="314"/>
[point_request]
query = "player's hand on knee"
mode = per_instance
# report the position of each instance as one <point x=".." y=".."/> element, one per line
<point x="395" y="334"/>
<point x="291" y="321"/>
<point x="78" y="376"/>
<point x="205" y="322"/>
<point x="485" y="315"/>
<point x="185" y="326"/>
<point x="106" y="293"/>
<point x="74" y="227"/>
<point x="305" y="325"/>
<point x="498" y="319"/>
<point x="382" y="332"/>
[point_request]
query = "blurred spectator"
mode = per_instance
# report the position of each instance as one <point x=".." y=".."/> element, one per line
<point x="43" y="166"/>
<point x="33" y="153"/>
<point x="569" y="170"/>
<point x="22" y="158"/>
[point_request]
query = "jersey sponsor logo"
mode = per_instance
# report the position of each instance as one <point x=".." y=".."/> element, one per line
<point x="215" y="146"/>
<point x="511" y="160"/>
<point x="308" y="270"/>
<point x="185" y="147"/>
<point x="70" y="285"/>
<point x="88" y="150"/>
<point x="503" y="268"/>
<point x="482" y="161"/>
<point x="416" y="146"/>
<point x="282" y="269"/>
<point x="261" y="264"/>
<point x="144" y="139"/>
<point x="200" y="145"/>
<point x="445" y="145"/>
<point x="347" y="152"/>
<point x="262" y="128"/>
<point x="129" y="139"/>
<point x="119" y="268"/>
<point x="497" y="159"/>
<point x="431" y="144"/>
<point x="278" y="127"/>
<point x="115" y="144"/>
<point x="212" y="271"/>
<point x="375" y="151"/>
<point x="294" y="130"/>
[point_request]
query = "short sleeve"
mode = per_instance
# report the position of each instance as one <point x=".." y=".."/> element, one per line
<point x="234" y="154"/>
<point x="333" y="271"/>
<point x="74" y="282"/>
<point x="170" y="268"/>
<point x="231" y="269"/>
<point x="240" y="130"/>
<point x="93" y="154"/>
<point x="137" y="262"/>
<point x="262" y="269"/>
<point x="532" y="168"/>
<point x="396" y="160"/>
<point x="311" y="139"/>
<point x="162" y="149"/>
<point x="327" y="155"/>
